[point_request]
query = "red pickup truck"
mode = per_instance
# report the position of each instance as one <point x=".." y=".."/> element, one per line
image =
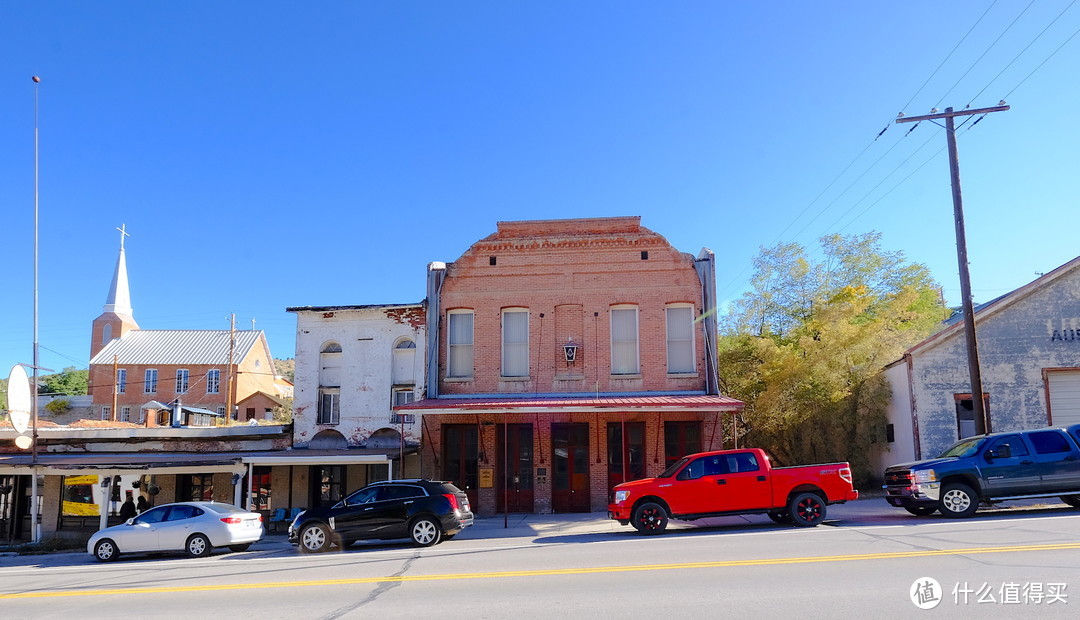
<point x="732" y="482"/>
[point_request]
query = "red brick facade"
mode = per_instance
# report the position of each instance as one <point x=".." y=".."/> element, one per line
<point x="568" y="276"/>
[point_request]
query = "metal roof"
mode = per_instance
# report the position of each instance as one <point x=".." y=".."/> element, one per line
<point x="695" y="402"/>
<point x="351" y="307"/>
<point x="178" y="346"/>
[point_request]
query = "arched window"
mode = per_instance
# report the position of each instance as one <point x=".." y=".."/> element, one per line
<point x="330" y="365"/>
<point x="624" y="340"/>
<point x="680" y="338"/>
<point x="106" y="334"/>
<point x="459" y="344"/>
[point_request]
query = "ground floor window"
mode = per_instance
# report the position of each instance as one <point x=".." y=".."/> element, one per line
<point x="629" y="453"/>
<point x="260" y="488"/>
<point x="680" y="439"/>
<point x="195" y="488"/>
<point x="965" y="414"/>
<point x="329" y="483"/>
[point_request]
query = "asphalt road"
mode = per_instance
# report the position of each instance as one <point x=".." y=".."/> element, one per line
<point x="862" y="563"/>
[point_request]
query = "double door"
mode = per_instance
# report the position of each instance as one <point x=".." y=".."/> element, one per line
<point x="570" y="467"/>
<point x="514" y="474"/>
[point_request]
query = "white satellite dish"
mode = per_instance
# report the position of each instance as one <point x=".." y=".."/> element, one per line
<point x="24" y="442"/>
<point x="19" y="399"/>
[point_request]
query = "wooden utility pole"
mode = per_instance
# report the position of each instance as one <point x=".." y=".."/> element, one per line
<point x="230" y="394"/>
<point x="982" y="417"/>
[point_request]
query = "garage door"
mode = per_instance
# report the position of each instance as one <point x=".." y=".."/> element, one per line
<point x="1064" y="397"/>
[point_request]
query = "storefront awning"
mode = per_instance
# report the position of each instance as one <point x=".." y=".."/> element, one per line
<point x="563" y="404"/>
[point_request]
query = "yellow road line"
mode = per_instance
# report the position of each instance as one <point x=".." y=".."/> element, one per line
<point x="554" y="571"/>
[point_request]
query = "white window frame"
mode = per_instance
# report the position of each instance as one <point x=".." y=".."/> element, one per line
<point x="183" y="380"/>
<point x="150" y="379"/>
<point x="673" y="341"/>
<point x="463" y="369"/>
<point x="121" y="380"/>
<point x="106" y="411"/>
<point x="125" y="414"/>
<point x="616" y="346"/>
<point x="515" y="355"/>
<point x="334" y="415"/>
<point x="402" y="397"/>
<point x="213" y="381"/>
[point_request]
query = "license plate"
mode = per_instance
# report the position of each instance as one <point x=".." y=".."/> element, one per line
<point x="251" y="523"/>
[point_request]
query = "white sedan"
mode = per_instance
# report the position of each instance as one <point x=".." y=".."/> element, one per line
<point x="195" y="527"/>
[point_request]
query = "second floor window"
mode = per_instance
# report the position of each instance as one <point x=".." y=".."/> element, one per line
<point x="460" y="344"/>
<point x="182" y="377"/>
<point x="121" y="380"/>
<point x="213" y="381"/>
<point x="329" y="406"/>
<point x="680" y="339"/>
<point x="624" y="341"/>
<point x="515" y="342"/>
<point x="150" y="381"/>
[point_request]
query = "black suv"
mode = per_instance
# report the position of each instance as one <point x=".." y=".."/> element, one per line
<point x="424" y="510"/>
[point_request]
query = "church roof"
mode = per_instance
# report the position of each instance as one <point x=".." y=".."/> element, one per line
<point x="178" y="346"/>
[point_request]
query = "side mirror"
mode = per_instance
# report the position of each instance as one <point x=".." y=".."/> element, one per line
<point x="130" y="521"/>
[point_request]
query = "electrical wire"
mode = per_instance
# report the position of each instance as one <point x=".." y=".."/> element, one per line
<point x="1052" y="54"/>
<point x="1017" y="57"/>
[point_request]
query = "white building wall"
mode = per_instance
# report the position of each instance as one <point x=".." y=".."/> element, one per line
<point x="367" y="336"/>
<point x="898" y="414"/>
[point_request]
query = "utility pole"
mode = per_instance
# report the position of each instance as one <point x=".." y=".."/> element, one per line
<point x="229" y="394"/>
<point x="982" y="417"/>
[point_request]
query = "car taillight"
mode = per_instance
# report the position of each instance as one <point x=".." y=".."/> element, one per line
<point x="232" y="520"/>
<point x="452" y="499"/>
<point x="845" y="473"/>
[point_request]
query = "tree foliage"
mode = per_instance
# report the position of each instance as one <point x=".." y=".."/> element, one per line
<point x="69" y="381"/>
<point x="806" y="346"/>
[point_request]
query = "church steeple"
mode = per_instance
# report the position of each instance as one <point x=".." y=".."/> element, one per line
<point x="119" y="299"/>
<point x="116" y="317"/>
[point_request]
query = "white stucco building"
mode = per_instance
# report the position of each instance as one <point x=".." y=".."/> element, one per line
<point x="1029" y="350"/>
<point x="353" y="363"/>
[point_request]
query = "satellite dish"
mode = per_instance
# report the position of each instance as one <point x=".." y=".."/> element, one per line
<point x="19" y="398"/>
<point x="24" y="442"/>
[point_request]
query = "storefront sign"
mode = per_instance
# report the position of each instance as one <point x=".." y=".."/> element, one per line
<point x="487" y="477"/>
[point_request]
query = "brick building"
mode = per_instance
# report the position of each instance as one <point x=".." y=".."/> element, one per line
<point x="134" y="371"/>
<point x="579" y="352"/>
<point x="1029" y="351"/>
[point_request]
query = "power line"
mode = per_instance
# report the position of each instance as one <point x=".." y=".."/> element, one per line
<point x="985" y="52"/>
<point x="1071" y="37"/>
<point x="1017" y="57"/>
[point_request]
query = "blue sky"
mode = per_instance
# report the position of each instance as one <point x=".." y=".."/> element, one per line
<point x="271" y="154"/>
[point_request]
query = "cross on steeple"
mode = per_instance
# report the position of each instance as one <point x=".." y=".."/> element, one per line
<point x="123" y="233"/>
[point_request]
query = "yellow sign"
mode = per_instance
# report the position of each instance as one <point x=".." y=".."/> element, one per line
<point x="487" y="477"/>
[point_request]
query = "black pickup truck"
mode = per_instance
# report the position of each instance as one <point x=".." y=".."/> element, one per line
<point x="990" y="468"/>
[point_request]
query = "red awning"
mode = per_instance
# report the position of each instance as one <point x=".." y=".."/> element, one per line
<point x="699" y="402"/>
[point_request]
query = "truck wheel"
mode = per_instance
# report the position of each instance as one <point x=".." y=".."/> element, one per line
<point x="782" y="517"/>
<point x="650" y="518"/>
<point x="1072" y="500"/>
<point x="807" y="509"/>
<point x="958" y="501"/>
<point x="921" y="511"/>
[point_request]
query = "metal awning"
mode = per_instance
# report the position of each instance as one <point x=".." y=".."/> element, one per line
<point x="565" y="404"/>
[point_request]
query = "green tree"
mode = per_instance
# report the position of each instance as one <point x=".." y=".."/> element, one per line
<point x="58" y="406"/>
<point x="805" y="347"/>
<point x="285" y="368"/>
<point x="69" y="381"/>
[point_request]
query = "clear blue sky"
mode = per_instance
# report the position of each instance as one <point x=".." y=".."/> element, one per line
<point x="270" y="154"/>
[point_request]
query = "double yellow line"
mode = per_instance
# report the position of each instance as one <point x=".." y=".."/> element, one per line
<point x="551" y="572"/>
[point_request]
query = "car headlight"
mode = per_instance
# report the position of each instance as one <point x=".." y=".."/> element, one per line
<point x="620" y="496"/>
<point x="924" y="476"/>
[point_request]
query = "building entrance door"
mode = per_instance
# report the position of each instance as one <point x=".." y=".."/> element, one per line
<point x="514" y="485"/>
<point x="461" y="459"/>
<point x="570" y="465"/>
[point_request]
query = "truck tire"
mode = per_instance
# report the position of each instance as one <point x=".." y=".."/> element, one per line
<point x="920" y="511"/>
<point x="958" y="501"/>
<point x="650" y="518"/>
<point x="1072" y="500"/>
<point x="807" y="510"/>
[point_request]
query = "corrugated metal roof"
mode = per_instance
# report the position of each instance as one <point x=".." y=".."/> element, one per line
<point x="177" y="346"/>
<point x="666" y="403"/>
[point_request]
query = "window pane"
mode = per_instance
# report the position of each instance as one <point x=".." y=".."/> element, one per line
<point x="460" y="334"/>
<point x="680" y="340"/>
<point x="515" y="355"/>
<point x="624" y="344"/>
